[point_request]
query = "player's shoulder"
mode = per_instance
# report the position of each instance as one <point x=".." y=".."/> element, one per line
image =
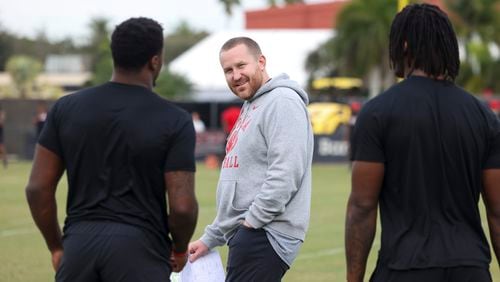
<point x="169" y="108"/>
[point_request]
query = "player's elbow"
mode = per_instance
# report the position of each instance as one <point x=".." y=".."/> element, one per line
<point x="187" y="210"/>
<point x="362" y="205"/>
<point x="32" y="192"/>
<point x="493" y="216"/>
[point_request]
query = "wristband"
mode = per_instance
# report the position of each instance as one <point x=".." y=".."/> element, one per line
<point x="179" y="254"/>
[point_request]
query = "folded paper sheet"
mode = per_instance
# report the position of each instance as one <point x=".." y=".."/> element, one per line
<point x="205" y="269"/>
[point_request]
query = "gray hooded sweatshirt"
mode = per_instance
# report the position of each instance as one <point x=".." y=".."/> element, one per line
<point x="265" y="177"/>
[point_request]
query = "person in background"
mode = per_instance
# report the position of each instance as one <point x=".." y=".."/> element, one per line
<point x="264" y="190"/>
<point x="355" y="109"/>
<point x="40" y="117"/>
<point x="494" y="105"/>
<point x="199" y="125"/>
<point x="228" y="118"/>
<point x="123" y="149"/>
<point x="424" y="151"/>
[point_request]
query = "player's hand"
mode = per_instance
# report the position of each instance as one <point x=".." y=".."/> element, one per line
<point x="196" y="250"/>
<point x="56" y="258"/>
<point x="178" y="261"/>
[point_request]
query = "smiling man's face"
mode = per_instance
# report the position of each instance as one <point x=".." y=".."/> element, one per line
<point x="243" y="70"/>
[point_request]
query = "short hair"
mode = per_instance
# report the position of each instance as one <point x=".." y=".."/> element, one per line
<point x="431" y="42"/>
<point x="135" y="41"/>
<point x="252" y="46"/>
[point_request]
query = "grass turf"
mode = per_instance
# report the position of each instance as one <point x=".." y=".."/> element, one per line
<point x="24" y="257"/>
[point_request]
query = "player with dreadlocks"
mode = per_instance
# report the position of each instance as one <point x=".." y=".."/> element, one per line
<point x="424" y="151"/>
<point x="422" y="38"/>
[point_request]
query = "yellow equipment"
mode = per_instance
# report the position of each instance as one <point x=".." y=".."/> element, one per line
<point x="327" y="117"/>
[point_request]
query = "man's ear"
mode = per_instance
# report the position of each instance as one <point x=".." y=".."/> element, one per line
<point x="262" y="62"/>
<point x="155" y="63"/>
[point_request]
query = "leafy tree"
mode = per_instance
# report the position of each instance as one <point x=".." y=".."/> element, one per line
<point x="6" y="48"/>
<point x="475" y="17"/>
<point x="478" y="25"/>
<point x="23" y="70"/>
<point x="37" y="48"/>
<point x="99" y="36"/>
<point x="286" y="2"/>
<point x="229" y="4"/>
<point x="173" y="86"/>
<point x="169" y="85"/>
<point x="319" y="63"/>
<point x="103" y="68"/>
<point x="181" y="39"/>
<point x="360" y="45"/>
<point x="101" y="62"/>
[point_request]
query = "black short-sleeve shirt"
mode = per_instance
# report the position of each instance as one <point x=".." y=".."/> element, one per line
<point x="116" y="142"/>
<point x="434" y="140"/>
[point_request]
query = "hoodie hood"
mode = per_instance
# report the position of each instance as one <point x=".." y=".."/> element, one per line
<point x="281" y="80"/>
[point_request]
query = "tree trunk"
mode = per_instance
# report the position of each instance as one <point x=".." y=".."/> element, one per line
<point x="374" y="81"/>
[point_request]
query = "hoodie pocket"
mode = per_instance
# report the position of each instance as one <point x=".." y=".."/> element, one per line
<point x="231" y="198"/>
<point x="240" y="201"/>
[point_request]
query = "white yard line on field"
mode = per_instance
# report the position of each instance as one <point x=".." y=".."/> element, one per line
<point x="17" y="231"/>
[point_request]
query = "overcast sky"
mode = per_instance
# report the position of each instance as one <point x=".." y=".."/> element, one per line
<point x="70" y="18"/>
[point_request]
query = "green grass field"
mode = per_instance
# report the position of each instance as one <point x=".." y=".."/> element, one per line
<point x="24" y="257"/>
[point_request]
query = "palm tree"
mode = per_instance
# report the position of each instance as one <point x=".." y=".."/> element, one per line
<point x="181" y="39"/>
<point x="319" y="62"/>
<point x="361" y="41"/>
<point x="229" y="4"/>
<point x="274" y="3"/>
<point x="478" y="26"/>
<point x="475" y="17"/>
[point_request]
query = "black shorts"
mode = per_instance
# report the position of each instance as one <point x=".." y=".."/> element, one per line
<point x="108" y="251"/>
<point x="252" y="258"/>
<point x="437" y="274"/>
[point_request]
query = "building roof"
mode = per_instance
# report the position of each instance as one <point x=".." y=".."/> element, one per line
<point x="69" y="63"/>
<point x="298" y="15"/>
<point x="286" y="51"/>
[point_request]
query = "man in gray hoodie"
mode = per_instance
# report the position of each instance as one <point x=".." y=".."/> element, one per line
<point x="264" y="190"/>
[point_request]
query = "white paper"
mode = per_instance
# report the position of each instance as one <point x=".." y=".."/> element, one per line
<point x="208" y="268"/>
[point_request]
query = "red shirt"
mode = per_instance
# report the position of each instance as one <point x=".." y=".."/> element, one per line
<point x="229" y="117"/>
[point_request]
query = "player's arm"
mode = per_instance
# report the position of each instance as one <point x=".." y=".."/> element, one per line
<point x="40" y="193"/>
<point x="179" y="185"/>
<point x="183" y="207"/>
<point x="491" y="198"/>
<point x="361" y="216"/>
<point x="183" y="213"/>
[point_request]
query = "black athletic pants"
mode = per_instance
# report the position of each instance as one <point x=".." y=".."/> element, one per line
<point x="107" y="251"/>
<point x="438" y="274"/>
<point x="252" y="258"/>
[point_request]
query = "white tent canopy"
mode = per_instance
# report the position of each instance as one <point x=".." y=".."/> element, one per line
<point x="286" y="51"/>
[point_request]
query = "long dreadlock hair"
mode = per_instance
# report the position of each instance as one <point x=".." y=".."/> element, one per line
<point x="422" y="37"/>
